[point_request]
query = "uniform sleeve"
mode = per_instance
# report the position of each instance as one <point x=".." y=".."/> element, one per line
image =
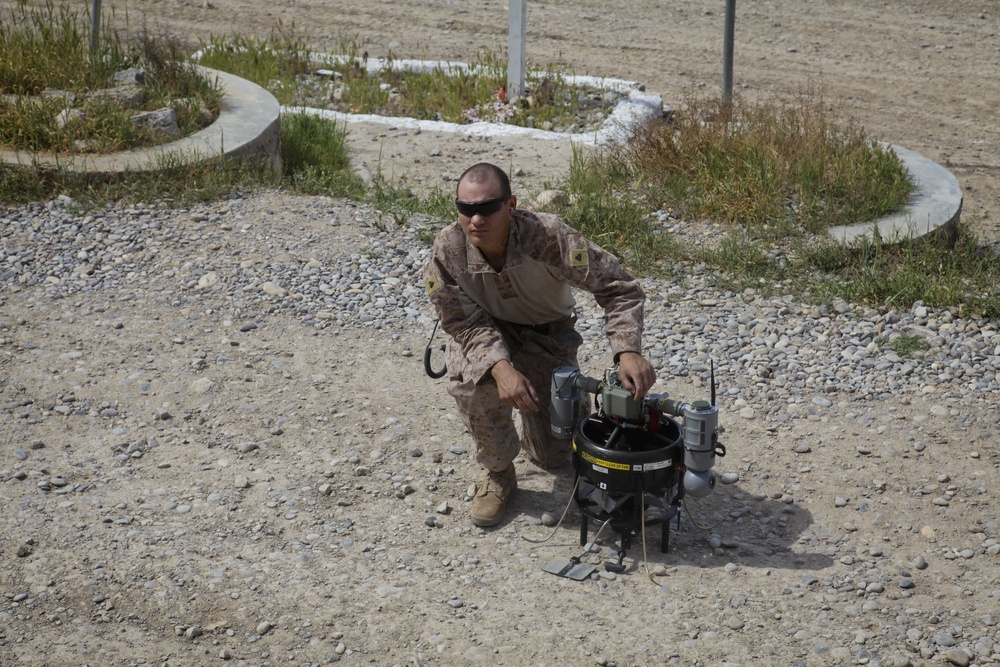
<point x="462" y="319"/>
<point x="590" y="267"/>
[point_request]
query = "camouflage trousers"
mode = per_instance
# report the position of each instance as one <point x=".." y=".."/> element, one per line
<point x="498" y="435"/>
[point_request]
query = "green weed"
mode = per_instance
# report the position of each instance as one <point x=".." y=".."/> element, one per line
<point x="47" y="66"/>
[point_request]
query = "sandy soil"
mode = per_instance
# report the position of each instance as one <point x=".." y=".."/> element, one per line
<point x="280" y="516"/>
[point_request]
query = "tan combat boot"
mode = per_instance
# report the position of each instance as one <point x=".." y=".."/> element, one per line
<point x="491" y="499"/>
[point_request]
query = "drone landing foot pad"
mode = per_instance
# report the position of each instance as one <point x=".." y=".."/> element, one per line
<point x="571" y="568"/>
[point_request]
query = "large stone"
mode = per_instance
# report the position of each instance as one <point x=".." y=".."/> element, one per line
<point x="67" y="116"/>
<point x="68" y="98"/>
<point x="549" y="200"/>
<point x="129" y="97"/>
<point x="132" y="76"/>
<point x="161" y="121"/>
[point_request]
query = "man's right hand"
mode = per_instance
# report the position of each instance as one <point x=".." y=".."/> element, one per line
<point x="513" y="388"/>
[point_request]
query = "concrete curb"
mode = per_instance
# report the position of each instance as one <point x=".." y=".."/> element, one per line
<point x="935" y="205"/>
<point x="640" y="107"/>
<point x="248" y="126"/>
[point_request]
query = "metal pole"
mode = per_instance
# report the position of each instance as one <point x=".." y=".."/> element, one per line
<point x="95" y="24"/>
<point x="728" y="38"/>
<point x="515" y="48"/>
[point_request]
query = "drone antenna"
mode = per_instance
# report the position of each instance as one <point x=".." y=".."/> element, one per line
<point x="711" y="363"/>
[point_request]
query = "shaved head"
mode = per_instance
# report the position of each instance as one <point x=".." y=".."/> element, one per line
<point x="484" y="172"/>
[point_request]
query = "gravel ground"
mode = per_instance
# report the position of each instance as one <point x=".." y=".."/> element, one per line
<point x="218" y="445"/>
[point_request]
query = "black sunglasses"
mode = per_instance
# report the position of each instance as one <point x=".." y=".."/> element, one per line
<point x="484" y="208"/>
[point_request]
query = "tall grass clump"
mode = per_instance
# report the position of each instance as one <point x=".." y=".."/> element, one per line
<point x="775" y="168"/>
<point x="272" y="62"/>
<point x="47" y="67"/>
<point x="315" y="158"/>
<point x="603" y="210"/>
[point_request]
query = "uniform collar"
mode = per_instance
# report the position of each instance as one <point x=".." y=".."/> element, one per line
<point x="515" y="255"/>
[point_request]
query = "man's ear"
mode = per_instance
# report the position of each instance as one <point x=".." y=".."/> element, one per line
<point x="513" y="202"/>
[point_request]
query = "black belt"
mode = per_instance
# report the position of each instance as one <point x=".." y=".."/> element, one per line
<point x="553" y="328"/>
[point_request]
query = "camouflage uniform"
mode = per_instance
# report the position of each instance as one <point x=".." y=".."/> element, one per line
<point x="523" y="314"/>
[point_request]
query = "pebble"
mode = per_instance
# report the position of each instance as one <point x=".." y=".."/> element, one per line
<point x="957" y="657"/>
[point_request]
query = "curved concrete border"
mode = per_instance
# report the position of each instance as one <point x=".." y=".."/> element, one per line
<point x="248" y="126"/>
<point x="936" y="204"/>
<point x="640" y="107"/>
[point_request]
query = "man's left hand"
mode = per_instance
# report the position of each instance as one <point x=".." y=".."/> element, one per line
<point x="637" y="374"/>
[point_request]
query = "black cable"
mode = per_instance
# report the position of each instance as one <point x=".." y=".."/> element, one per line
<point x="431" y="373"/>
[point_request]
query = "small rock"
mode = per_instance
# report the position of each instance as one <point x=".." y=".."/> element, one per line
<point x="202" y="386"/>
<point x="264" y="627"/>
<point x="272" y="289"/>
<point x="958" y="657"/>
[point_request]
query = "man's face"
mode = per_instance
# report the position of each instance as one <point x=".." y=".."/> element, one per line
<point x="486" y="232"/>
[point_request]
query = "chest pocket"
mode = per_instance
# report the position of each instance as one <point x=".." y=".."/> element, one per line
<point x="505" y="288"/>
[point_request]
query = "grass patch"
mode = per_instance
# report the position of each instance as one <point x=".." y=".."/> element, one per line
<point x="957" y="273"/>
<point x="273" y="62"/>
<point x="282" y="64"/>
<point x="905" y="345"/>
<point x="774" y="168"/>
<point x="598" y="209"/>
<point x="47" y="67"/>
<point x="314" y="157"/>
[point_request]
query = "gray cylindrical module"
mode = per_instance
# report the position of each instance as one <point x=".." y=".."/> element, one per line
<point x="701" y="421"/>
<point x="566" y="398"/>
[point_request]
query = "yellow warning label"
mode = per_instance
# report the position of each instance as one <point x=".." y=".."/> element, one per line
<point x="607" y="464"/>
<point x="579" y="257"/>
